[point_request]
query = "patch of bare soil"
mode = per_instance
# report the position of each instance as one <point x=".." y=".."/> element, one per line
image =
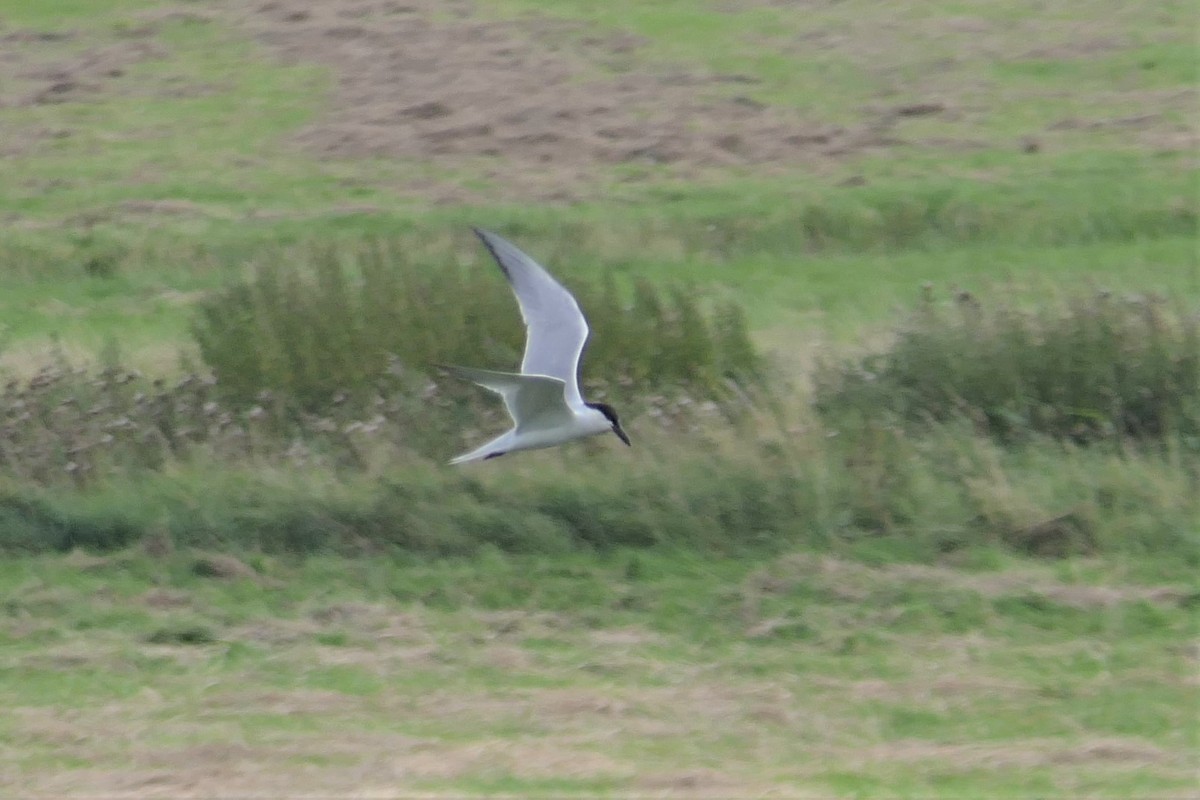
<point x="947" y="58"/>
<point x="41" y="68"/>
<point x="429" y="81"/>
<point x="40" y="76"/>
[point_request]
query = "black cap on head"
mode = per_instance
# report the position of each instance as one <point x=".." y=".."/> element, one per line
<point x="611" y="413"/>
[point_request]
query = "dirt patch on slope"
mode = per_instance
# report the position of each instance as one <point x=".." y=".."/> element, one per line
<point x="537" y="102"/>
<point x="42" y="68"/>
<point x="43" y="72"/>
<point x="460" y="107"/>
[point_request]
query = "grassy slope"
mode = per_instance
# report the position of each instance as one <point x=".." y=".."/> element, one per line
<point x="175" y="128"/>
<point x="651" y="672"/>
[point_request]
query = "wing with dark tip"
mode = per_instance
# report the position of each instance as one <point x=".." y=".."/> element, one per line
<point x="556" y="330"/>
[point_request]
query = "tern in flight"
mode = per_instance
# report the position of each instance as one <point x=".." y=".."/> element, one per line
<point x="543" y="399"/>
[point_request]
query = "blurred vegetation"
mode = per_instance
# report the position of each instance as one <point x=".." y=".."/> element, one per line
<point x="873" y="493"/>
<point x="1069" y="429"/>
<point x="1092" y="368"/>
<point x="975" y="430"/>
<point x="353" y="319"/>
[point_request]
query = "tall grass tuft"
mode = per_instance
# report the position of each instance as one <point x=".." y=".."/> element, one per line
<point x="343" y="319"/>
<point x="1088" y="369"/>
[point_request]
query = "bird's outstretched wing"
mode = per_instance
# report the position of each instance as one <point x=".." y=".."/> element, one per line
<point x="556" y="330"/>
<point x="531" y="400"/>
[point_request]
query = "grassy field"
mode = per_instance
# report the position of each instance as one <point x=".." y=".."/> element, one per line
<point x="646" y="673"/>
<point x="171" y="155"/>
<point x="758" y="599"/>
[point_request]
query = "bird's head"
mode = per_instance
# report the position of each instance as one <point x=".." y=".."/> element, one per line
<point x="611" y="415"/>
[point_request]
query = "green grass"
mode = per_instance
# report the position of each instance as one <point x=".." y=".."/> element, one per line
<point x="205" y="124"/>
<point x="823" y="263"/>
<point x="1096" y="368"/>
<point x="887" y="687"/>
<point x="197" y="120"/>
<point x="794" y="605"/>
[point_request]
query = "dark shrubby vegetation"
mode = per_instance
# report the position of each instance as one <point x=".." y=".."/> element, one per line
<point x="352" y="318"/>
<point x="331" y="366"/>
<point x="879" y="492"/>
<point x="1070" y="429"/>
<point x="1097" y="368"/>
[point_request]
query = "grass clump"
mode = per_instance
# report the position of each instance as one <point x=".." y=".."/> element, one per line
<point x="349" y="319"/>
<point x="182" y="633"/>
<point x="1090" y="369"/>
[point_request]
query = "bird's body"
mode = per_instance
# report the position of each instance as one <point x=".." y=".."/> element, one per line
<point x="544" y="398"/>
